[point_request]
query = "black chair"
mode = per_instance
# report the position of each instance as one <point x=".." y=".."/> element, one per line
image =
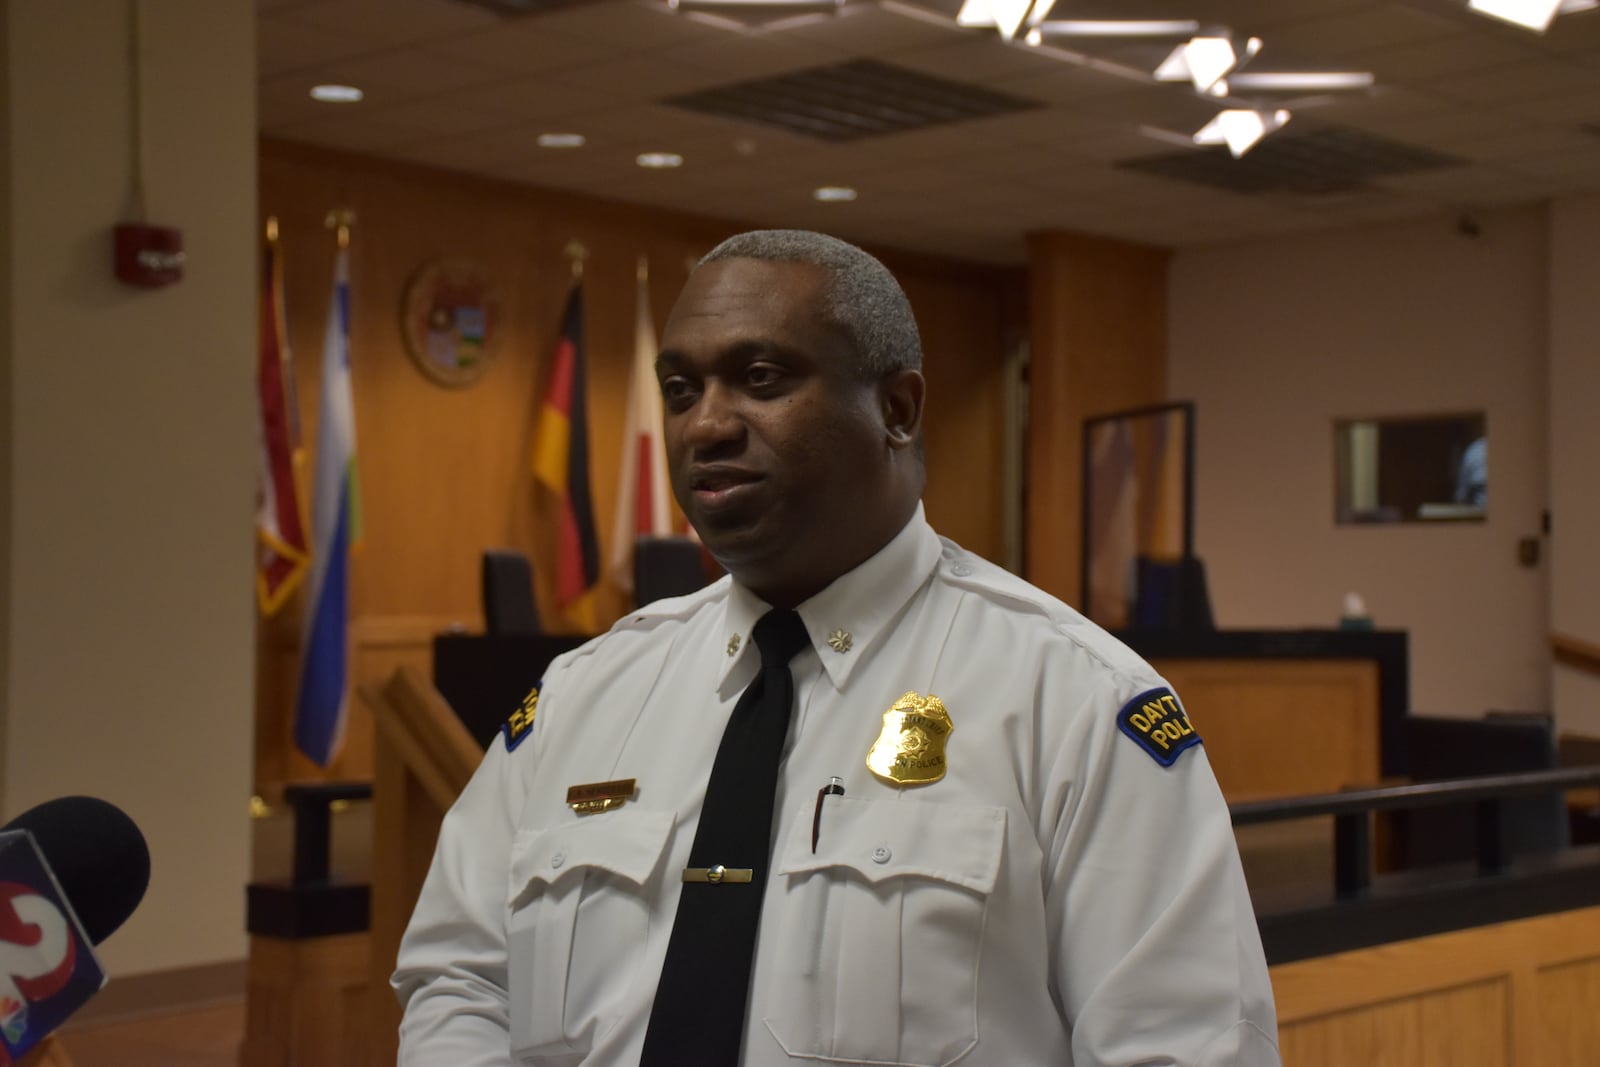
<point x="1171" y="595"/>
<point x="1499" y="743"/>
<point x="665" y="567"/>
<point x="508" y="607"/>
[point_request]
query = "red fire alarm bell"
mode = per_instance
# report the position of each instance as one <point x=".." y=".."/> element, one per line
<point x="149" y="256"/>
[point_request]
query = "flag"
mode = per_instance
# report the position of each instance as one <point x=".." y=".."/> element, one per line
<point x="642" y="508"/>
<point x="335" y="515"/>
<point x="282" y="554"/>
<point x="561" y="464"/>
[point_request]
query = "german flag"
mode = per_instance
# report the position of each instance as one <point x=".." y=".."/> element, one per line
<point x="561" y="464"/>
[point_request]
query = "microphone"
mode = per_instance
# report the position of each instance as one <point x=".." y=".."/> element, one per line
<point x="71" y="871"/>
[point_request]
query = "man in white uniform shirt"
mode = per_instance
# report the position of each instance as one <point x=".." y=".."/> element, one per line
<point x="1030" y="862"/>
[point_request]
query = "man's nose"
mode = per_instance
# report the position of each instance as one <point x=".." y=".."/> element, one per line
<point x="714" y="421"/>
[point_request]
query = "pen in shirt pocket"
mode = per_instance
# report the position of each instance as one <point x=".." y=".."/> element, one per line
<point x="834" y="788"/>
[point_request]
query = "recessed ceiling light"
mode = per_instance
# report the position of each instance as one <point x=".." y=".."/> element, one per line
<point x="336" y="94"/>
<point x="561" y="140"/>
<point x="659" y="160"/>
<point x="833" y="193"/>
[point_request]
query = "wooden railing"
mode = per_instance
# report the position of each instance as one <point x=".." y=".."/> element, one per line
<point x="422" y="760"/>
<point x="1574" y="652"/>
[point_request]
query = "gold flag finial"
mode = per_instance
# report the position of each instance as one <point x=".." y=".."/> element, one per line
<point x="577" y="252"/>
<point x="340" y="219"/>
<point x="272" y="229"/>
<point x="643" y="271"/>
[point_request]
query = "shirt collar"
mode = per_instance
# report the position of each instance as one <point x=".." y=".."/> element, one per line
<point x="847" y="618"/>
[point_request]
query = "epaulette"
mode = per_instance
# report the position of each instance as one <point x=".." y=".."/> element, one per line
<point x="1004" y="589"/>
<point x="651" y="615"/>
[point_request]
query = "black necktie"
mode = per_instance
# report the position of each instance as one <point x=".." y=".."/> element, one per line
<point x="698" y="1015"/>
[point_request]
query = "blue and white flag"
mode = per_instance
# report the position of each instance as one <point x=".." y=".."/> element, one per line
<point x="323" y="698"/>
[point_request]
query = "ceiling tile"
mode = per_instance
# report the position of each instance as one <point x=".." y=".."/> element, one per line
<point x="1515" y="81"/>
<point x="523" y="48"/>
<point x="390" y="22"/>
<point x="1338" y="37"/>
<point x="1443" y="56"/>
<point x="865" y="29"/>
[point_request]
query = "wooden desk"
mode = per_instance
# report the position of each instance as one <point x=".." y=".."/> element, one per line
<point x="1288" y="712"/>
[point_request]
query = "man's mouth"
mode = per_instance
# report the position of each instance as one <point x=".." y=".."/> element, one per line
<point x="715" y="484"/>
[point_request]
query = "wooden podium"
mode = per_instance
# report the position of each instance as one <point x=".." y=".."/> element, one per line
<point x="423" y="759"/>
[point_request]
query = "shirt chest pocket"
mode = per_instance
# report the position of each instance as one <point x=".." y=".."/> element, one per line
<point x="882" y="930"/>
<point x="576" y="923"/>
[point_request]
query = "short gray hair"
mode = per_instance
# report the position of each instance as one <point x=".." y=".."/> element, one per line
<point x="862" y="297"/>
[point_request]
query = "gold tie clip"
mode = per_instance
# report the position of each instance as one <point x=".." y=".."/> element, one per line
<point x="718" y="875"/>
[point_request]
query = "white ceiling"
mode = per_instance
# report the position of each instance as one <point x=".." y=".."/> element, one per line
<point x="455" y="86"/>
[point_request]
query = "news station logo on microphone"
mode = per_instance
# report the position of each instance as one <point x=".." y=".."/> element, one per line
<point x="47" y="965"/>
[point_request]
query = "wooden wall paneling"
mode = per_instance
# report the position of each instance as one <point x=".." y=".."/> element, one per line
<point x="964" y="423"/>
<point x="1568" y="1012"/>
<point x="1097" y="343"/>
<point x="1463" y="1027"/>
<point x="1283" y="727"/>
<point x="1523" y="993"/>
<point x="445" y="473"/>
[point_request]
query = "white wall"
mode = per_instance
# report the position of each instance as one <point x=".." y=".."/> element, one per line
<point x="132" y="436"/>
<point x="1274" y="339"/>
<point x="1575" y="449"/>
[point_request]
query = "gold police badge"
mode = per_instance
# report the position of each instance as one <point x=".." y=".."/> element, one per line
<point x="910" y="750"/>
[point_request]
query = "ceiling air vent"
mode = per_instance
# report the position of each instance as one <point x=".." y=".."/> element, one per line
<point x="849" y="101"/>
<point x="1315" y="162"/>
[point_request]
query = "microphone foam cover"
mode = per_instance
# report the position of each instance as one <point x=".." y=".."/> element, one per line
<point x="97" y="854"/>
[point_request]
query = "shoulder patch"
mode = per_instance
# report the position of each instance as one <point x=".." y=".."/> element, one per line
<point x="520" y="725"/>
<point x="1158" y="724"/>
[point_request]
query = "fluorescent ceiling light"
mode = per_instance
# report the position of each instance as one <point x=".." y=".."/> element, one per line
<point x="336" y="94"/>
<point x="1118" y="28"/>
<point x="1205" y="61"/>
<point x="562" y="140"/>
<point x="779" y="7"/>
<point x="1004" y="15"/>
<point x="1302" y="80"/>
<point x="659" y="160"/>
<point x="833" y="194"/>
<point x="1532" y="14"/>
<point x="1240" y="129"/>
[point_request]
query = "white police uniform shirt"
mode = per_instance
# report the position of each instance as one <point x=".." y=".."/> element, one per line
<point x="1059" y="897"/>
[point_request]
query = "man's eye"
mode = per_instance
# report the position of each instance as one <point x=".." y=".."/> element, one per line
<point x="759" y="374"/>
<point x="676" y="390"/>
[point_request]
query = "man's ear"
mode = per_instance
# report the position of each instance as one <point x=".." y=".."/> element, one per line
<point x="900" y="393"/>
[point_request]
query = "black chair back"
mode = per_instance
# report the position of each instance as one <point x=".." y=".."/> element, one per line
<point x="508" y="605"/>
<point x="665" y="567"/>
<point x="1499" y="743"/>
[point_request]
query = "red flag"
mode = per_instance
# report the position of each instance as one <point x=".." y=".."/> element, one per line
<point x="282" y="555"/>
